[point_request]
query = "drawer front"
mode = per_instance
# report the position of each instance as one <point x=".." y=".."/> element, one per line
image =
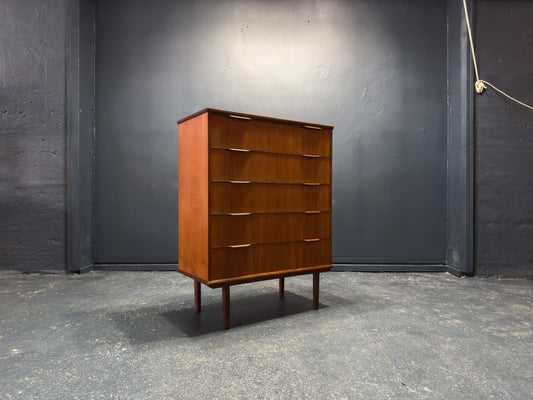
<point x="270" y="136"/>
<point x="266" y="198"/>
<point x="228" y="230"/>
<point x="256" y="259"/>
<point x="228" y="165"/>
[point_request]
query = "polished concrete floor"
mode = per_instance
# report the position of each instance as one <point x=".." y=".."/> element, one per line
<point x="135" y="335"/>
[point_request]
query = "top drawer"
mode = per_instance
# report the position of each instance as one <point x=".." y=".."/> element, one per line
<point x="269" y="136"/>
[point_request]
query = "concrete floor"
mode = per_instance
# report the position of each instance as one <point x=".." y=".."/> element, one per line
<point x="135" y="335"/>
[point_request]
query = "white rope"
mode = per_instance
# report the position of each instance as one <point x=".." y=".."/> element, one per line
<point x="471" y="41"/>
<point x="505" y="94"/>
<point x="480" y="84"/>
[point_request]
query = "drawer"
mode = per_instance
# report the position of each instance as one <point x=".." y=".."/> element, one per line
<point x="227" y="230"/>
<point x="269" y="136"/>
<point x="263" y="258"/>
<point x="228" y="165"/>
<point x="267" y="197"/>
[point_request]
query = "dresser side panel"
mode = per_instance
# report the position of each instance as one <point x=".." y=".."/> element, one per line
<point x="193" y="196"/>
<point x="329" y="132"/>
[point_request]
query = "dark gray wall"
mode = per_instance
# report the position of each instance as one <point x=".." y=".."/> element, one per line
<point x="504" y="140"/>
<point x="32" y="134"/>
<point x="375" y="70"/>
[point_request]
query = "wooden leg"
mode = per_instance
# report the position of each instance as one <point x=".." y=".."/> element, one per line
<point x="316" y="284"/>
<point x="225" y="305"/>
<point x="197" y="296"/>
<point x="281" y="287"/>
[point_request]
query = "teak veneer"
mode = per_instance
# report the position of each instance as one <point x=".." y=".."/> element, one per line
<point x="254" y="200"/>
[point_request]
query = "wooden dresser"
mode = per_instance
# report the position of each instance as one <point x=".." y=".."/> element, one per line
<point x="254" y="200"/>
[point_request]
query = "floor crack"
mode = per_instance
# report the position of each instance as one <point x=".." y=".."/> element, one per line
<point x="395" y="372"/>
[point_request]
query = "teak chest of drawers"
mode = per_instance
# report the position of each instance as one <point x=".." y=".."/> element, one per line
<point x="254" y="200"/>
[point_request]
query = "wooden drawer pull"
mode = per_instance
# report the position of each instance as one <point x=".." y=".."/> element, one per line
<point x="238" y="116"/>
<point x="237" y="246"/>
<point x="239" y="214"/>
<point x="311" y="155"/>
<point x="312" y="184"/>
<point x="241" y="150"/>
<point x="312" y="240"/>
<point x="312" y="212"/>
<point x="239" y="181"/>
<point x="313" y="127"/>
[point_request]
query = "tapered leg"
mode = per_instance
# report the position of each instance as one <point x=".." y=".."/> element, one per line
<point x="281" y="287"/>
<point x="225" y="305"/>
<point x="316" y="284"/>
<point x="197" y="296"/>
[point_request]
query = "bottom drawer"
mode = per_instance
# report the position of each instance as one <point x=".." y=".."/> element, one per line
<point x="227" y="262"/>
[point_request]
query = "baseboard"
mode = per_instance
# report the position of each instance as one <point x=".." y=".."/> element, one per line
<point x="135" y="267"/>
<point x="336" y="267"/>
<point x="454" y="271"/>
<point x="399" y="268"/>
<point x="85" y="269"/>
<point x="391" y="267"/>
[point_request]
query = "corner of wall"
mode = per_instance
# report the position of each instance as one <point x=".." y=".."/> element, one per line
<point x="80" y="135"/>
<point x="460" y="151"/>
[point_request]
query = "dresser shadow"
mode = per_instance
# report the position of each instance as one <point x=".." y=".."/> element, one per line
<point x="244" y="311"/>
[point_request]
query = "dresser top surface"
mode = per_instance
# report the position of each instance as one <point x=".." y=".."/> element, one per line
<point x="251" y="116"/>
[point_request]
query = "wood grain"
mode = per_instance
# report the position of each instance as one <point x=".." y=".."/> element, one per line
<point x="193" y="198"/>
<point x="197" y="296"/>
<point x="254" y="200"/>
<point x="229" y="262"/>
<point x="316" y="289"/>
<point x="226" y="306"/>
<point x="269" y="136"/>
<point x="217" y="283"/>
<point x="264" y="198"/>
<point x="215" y="111"/>
<point x="229" y="165"/>
<point x="228" y="230"/>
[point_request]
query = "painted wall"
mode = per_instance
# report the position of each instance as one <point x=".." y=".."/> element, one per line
<point x="504" y="140"/>
<point x="374" y="70"/>
<point x="32" y="137"/>
<point x="32" y="134"/>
